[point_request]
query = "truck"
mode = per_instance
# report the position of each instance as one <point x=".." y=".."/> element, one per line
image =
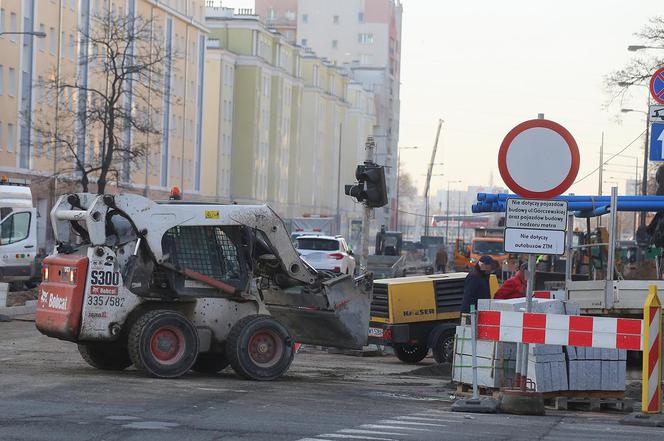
<point x="416" y="314"/>
<point x="172" y="286"/>
<point x="19" y="250"/>
<point x="487" y="242"/>
<point x="387" y="261"/>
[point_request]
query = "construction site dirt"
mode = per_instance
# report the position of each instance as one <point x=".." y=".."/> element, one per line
<point x="49" y="393"/>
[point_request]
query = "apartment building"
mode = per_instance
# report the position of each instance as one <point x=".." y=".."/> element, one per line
<point x="365" y="37"/>
<point x="298" y="121"/>
<point x="29" y="61"/>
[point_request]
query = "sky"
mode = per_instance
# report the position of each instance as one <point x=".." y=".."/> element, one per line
<point x="485" y="66"/>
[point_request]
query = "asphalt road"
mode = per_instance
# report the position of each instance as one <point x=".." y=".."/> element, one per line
<point x="49" y="393"/>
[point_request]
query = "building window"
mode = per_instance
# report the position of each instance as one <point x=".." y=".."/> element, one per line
<point x="72" y="46"/>
<point x="305" y="18"/>
<point x="10" y="137"/>
<point x="51" y="41"/>
<point x="12" y="26"/>
<point x="335" y="19"/>
<point x="11" y="87"/>
<point x="62" y="45"/>
<point x="2" y="79"/>
<point x="42" y="41"/>
<point x="2" y="20"/>
<point x="304" y="42"/>
<point x="335" y="44"/>
<point x="360" y="17"/>
<point x="271" y="14"/>
<point x="0" y="135"/>
<point x="365" y="38"/>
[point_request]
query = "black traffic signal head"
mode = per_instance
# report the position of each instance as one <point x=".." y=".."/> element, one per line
<point x="370" y="187"/>
<point x="376" y="189"/>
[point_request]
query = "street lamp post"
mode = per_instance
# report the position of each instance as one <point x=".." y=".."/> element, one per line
<point x="447" y="212"/>
<point x="396" y="215"/>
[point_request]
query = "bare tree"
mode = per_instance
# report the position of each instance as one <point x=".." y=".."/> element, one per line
<point x="639" y="70"/>
<point x="407" y="189"/>
<point x="118" y="103"/>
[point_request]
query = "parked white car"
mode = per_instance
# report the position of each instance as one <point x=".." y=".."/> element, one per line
<point x="330" y="253"/>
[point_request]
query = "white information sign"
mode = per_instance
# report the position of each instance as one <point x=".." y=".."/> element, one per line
<point x="528" y="241"/>
<point x="656" y="113"/>
<point x="536" y="214"/>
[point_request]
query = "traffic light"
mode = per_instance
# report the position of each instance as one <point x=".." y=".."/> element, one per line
<point x="370" y="188"/>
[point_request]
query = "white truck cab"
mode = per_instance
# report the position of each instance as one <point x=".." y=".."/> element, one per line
<point x="18" y="233"/>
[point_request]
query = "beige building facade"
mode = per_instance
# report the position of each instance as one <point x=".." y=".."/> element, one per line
<point x="299" y="123"/>
<point x="28" y="62"/>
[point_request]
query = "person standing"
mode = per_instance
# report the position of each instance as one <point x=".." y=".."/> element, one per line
<point x="515" y="286"/>
<point x="441" y="260"/>
<point x="476" y="285"/>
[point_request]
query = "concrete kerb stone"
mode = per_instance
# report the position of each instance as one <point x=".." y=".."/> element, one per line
<point x="30" y="307"/>
<point x="643" y="419"/>
<point x="470" y="405"/>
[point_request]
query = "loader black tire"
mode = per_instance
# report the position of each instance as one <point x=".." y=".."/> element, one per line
<point x="210" y="363"/>
<point x="259" y="348"/>
<point x="443" y="347"/>
<point x="163" y="343"/>
<point x="105" y="356"/>
<point x="411" y="353"/>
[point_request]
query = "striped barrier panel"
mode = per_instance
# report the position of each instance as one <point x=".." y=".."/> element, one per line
<point x="651" y="398"/>
<point x="558" y="329"/>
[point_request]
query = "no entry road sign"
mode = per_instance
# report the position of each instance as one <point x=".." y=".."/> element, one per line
<point x="657" y="85"/>
<point x="538" y="159"/>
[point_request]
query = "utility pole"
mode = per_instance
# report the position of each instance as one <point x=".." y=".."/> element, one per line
<point x="369" y="147"/>
<point x="447" y="211"/>
<point x="428" y="183"/>
<point x="601" y="172"/>
<point x="339" y="182"/>
<point x="644" y="183"/>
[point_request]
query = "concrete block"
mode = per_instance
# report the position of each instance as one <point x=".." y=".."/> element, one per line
<point x="571" y="352"/>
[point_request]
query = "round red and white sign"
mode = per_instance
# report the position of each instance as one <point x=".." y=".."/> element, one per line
<point x="538" y="159"/>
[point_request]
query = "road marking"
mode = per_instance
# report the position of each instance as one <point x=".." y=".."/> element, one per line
<point x="412" y="423"/>
<point x="372" y="432"/>
<point x="383" y="426"/>
<point x="344" y="436"/>
<point x="150" y="425"/>
<point x="437" y="420"/>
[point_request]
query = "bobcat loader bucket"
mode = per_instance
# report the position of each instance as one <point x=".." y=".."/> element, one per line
<point x="337" y="316"/>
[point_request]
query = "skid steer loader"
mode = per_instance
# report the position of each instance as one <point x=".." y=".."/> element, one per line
<point x="174" y="286"/>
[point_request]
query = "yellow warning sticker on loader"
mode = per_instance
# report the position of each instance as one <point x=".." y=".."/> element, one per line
<point x="211" y="214"/>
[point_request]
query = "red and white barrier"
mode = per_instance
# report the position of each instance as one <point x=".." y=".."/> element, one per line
<point x="558" y="329"/>
<point x="651" y="398"/>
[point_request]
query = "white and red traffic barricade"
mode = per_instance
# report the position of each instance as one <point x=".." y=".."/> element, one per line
<point x="588" y="331"/>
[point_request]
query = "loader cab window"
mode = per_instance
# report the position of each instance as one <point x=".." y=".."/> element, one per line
<point x="208" y="250"/>
<point x="15" y="228"/>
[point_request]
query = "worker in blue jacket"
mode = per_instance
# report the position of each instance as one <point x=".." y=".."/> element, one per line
<point x="476" y="285"/>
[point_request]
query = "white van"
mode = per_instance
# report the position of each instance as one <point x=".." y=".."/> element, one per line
<point x="18" y="233"/>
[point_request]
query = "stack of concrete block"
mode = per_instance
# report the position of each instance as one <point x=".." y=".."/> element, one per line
<point x="547" y="368"/>
<point x="596" y="369"/>
<point x="496" y="361"/>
